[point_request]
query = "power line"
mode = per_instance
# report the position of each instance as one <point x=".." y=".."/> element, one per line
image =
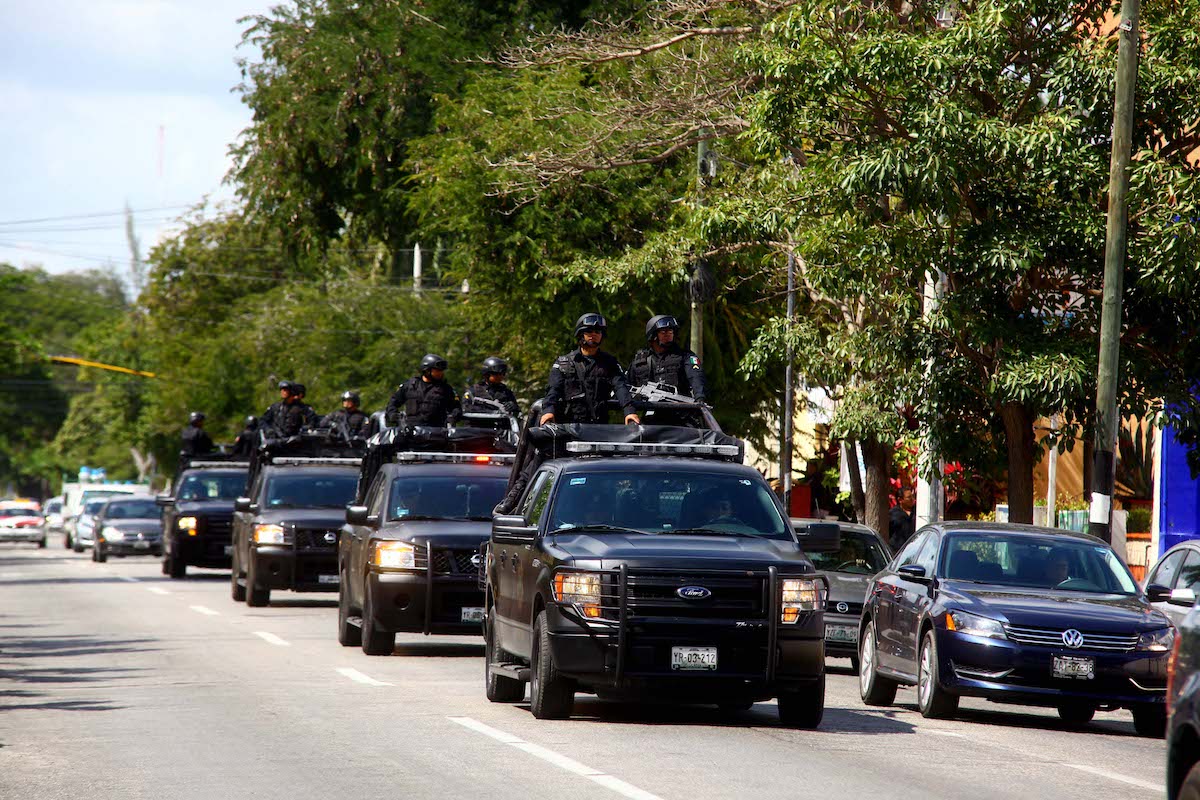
<point x="95" y="215"/>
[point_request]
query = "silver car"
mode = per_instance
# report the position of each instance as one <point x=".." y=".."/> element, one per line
<point x="85" y="525"/>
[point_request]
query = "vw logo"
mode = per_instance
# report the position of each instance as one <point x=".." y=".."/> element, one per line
<point x="1072" y="639"/>
<point x="330" y="537"/>
<point x="842" y="608"/>
<point x="693" y="593"/>
<point x="476" y="560"/>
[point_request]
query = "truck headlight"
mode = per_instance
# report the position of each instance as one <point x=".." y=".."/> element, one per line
<point x="271" y="534"/>
<point x="974" y="625"/>
<point x="580" y="589"/>
<point x="110" y="534"/>
<point x="799" y="594"/>
<point x="187" y="524"/>
<point x="1158" y="641"/>
<point x="393" y="555"/>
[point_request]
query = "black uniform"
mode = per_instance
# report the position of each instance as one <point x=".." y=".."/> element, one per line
<point x="431" y="403"/>
<point x="246" y="441"/>
<point x="269" y="418"/>
<point x="901" y="526"/>
<point x="490" y="391"/>
<point x="196" y="442"/>
<point x="288" y="419"/>
<point x="580" y="388"/>
<point x="675" y="366"/>
<point x="355" y="420"/>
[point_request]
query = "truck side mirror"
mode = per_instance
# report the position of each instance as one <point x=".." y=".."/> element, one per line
<point x="244" y="504"/>
<point x="819" y="537"/>
<point x="358" y="515"/>
<point x="513" y="526"/>
<point x="164" y="500"/>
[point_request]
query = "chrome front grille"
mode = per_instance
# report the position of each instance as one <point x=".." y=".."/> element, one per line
<point x="1053" y="637"/>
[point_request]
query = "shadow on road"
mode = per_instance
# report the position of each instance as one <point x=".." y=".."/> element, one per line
<point x="67" y="674"/>
<point x="761" y="715"/>
<point x="1016" y="718"/>
<point x="69" y="645"/>
<point x="303" y="603"/>
<point x="439" y="649"/>
<point x="64" y="705"/>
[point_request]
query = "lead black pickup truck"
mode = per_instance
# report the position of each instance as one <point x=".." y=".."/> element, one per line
<point x="198" y="513"/>
<point x="648" y="561"/>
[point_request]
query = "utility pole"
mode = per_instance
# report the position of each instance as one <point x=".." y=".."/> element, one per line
<point x="789" y="395"/>
<point x="706" y="170"/>
<point x="931" y="499"/>
<point x="1104" y="460"/>
<point x="417" y="268"/>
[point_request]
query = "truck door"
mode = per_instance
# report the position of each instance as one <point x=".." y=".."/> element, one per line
<point x="511" y="557"/>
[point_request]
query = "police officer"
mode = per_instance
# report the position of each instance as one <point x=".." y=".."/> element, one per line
<point x="664" y="361"/>
<point x="245" y="442"/>
<point x="582" y="381"/>
<point x="296" y="415"/>
<point x="269" y="417"/>
<point x="426" y="399"/>
<point x="492" y="387"/>
<point x="349" y="414"/>
<point x="196" y="441"/>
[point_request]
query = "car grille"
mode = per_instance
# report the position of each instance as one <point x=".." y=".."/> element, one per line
<point x="654" y="594"/>
<point x="831" y="607"/>
<point x="314" y="539"/>
<point x="447" y="562"/>
<point x="1053" y="637"/>
<point x="217" y="529"/>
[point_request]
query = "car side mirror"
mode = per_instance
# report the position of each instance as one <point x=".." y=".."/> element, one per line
<point x="913" y="572"/>
<point x="359" y="515"/>
<point x="1182" y="597"/>
<point x="819" y="537"/>
<point x="513" y="526"/>
<point x="164" y="500"/>
<point x="243" y="504"/>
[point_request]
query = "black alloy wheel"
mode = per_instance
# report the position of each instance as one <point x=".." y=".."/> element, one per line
<point x="874" y="689"/>
<point x="374" y="642"/>
<point x="1150" y="720"/>
<point x="934" y="701"/>
<point x="551" y="696"/>
<point x="348" y="635"/>
<point x="1076" y="713"/>
<point x="803" y="708"/>
<point x="256" y="596"/>
<point x="499" y="688"/>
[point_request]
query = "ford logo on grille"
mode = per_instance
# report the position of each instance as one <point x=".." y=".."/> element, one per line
<point x="330" y="537"/>
<point x="693" y="593"/>
<point x="842" y="608"/>
<point x="1072" y="639"/>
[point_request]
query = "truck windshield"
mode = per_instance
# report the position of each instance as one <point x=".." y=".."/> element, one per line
<point x="311" y="491"/>
<point x="860" y="554"/>
<point x="688" y="500"/>
<point x="445" y="496"/>
<point x="212" y="486"/>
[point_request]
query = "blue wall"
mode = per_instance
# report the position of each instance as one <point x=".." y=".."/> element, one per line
<point x="1179" y="498"/>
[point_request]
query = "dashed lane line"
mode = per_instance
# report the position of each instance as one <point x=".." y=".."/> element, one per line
<point x="204" y="610"/>
<point x="359" y="677"/>
<point x="156" y="590"/>
<point x="610" y="782"/>
<point x="271" y="638"/>
<point x="1116" y="776"/>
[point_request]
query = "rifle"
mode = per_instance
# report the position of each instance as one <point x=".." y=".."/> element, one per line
<point x="654" y="394"/>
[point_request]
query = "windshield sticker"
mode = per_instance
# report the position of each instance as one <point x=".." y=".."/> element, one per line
<point x="578" y="481"/>
<point x="745" y="482"/>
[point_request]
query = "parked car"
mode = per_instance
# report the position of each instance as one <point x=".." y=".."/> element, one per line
<point x="84" y="534"/>
<point x="1183" y="700"/>
<point x="128" y="526"/>
<point x="858" y="556"/>
<point x="1015" y="614"/>
<point x="1178" y="572"/>
<point x="22" y="521"/>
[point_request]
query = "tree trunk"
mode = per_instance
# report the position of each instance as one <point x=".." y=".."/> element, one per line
<point x="877" y="457"/>
<point x="1018" y="431"/>
<point x="857" y="497"/>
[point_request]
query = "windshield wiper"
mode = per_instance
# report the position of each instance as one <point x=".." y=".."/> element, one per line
<point x="605" y="528"/>
<point x="704" y="532"/>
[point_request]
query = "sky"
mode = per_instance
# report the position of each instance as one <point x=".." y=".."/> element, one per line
<point x="108" y="103"/>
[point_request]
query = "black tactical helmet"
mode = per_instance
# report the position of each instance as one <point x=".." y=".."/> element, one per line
<point x="251" y="421"/>
<point x="196" y="416"/>
<point x="661" y="322"/>
<point x="431" y="361"/>
<point x="286" y="386"/>
<point x="351" y="396"/>
<point x="494" y="365"/>
<point x="591" y="322"/>
<point x="298" y="389"/>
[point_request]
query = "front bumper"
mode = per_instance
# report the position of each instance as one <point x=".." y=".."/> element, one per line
<point x="417" y="601"/>
<point x="283" y="567"/>
<point x="202" y="551"/>
<point x="132" y="547"/>
<point x="22" y="534"/>
<point x="1007" y="672"/>
<point x="841" y="634"/>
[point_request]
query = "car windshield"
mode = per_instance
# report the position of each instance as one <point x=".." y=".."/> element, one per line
<point x="321" y="490"/>
<point x="445" y="496"/>
<point x="212" y="486"/>
<point x="860" y="553"/>
<point x="98" y="494"/>
<point x="132" y="509"/>
<point x="669" y="500"/>
<point x="93" y="506"/>
<point x="19" y="512"/>
<point x="1035" y="562"/>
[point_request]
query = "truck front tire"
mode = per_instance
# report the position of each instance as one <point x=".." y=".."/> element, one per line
<point x="551" y="696"/>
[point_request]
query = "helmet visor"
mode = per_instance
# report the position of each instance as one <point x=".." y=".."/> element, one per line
<point x="666" y="323"/>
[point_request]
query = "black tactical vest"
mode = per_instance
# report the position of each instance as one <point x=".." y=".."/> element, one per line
<point x="650" y="367"/>
<point x="428" y="403"/>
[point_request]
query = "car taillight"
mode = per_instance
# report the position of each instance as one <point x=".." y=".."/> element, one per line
<point x="1172" y="661"/>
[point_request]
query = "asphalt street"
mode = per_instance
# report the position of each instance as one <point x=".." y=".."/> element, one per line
<point x="117" y="682"/>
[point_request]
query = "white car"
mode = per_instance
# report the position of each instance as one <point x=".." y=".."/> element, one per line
<point x="22" y="521"/>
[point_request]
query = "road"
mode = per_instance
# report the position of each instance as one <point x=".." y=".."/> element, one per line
<point x="116" y="682"/>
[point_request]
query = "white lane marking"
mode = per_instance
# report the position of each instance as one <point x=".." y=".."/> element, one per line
<point x="557" y="759"/>
<point x="359" y="677"/>
<point x="204" y="610"/>
<point x="128" y="578"/>
<point x="948" y="733"/>
<point x="272" y="638"/>
<point x="156" y="590"/>
<point x="1116" y="776"/>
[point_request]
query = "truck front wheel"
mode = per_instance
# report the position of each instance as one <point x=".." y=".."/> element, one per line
<point x="804" y="707"/>
<point x="499" y="688"/>
<point x="551" y="696"/>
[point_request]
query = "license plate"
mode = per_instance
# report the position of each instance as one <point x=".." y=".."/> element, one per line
<point x="703" y="658"/>
<point x="228" y="549"/>
<point x="328" y="579"/>
<point x="841" y="633"/>
<point x="141" y="545"/>
<point x="472" y="615"/>
<point x="1074" y="667"/>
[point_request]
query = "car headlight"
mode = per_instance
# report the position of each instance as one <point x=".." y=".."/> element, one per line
<point x="393" y="555"/>
<point x="187" y="524"/>
<point x="1158" y="641"/>
<point x="111" y="534"/>
<point x="580" y="589"/>
<point x="974" y="625"/>
<point x="799" y="594"/>
<point x="271" y="534"/>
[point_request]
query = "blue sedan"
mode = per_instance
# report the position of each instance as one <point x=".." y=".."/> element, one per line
<point x="1015" y="614"/>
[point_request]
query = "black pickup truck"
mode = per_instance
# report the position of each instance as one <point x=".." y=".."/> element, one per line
<point x="409" y="553"/>
<point x="285" y="529"/>
<point x="198" y="514"/>
<point x="648" y="561"/>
